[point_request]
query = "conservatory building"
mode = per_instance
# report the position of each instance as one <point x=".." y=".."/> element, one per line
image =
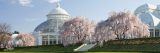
<point x="150" y="15"/>
<point x="47" y="33"/>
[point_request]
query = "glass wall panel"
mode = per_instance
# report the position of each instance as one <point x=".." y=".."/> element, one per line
<point x="45" y="40"/>
<point x="156" y="33"/>
<point x="151" y="32"/>
<point x="48" y="40"/>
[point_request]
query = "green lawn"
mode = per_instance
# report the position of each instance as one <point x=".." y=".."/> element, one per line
<point x="130" y="45"/>
<point x="118" y="46"/>
<point x="53" y="49"/>
<point x="126" y="48"/>
<point x="49" y="48"/>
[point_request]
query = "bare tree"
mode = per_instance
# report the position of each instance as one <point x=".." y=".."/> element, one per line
<point x="77" y="30"/>
<point x="4" y="27"/>
<point x="120" y="25"/>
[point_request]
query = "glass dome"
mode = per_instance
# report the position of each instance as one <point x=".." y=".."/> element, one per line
<point x="55" y="20"/>
<point x="49" y="26"/>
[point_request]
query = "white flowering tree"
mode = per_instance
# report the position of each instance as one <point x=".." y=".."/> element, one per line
<point x="25" y="39"/>
<point x="120" y="25"/>
<point x="77" y="30"/>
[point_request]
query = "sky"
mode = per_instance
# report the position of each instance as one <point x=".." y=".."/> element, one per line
<point x="25" y="15"/>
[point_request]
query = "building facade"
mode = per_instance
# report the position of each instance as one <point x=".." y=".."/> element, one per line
<point x="47" y="33"/>
<point x="150" y="15"/>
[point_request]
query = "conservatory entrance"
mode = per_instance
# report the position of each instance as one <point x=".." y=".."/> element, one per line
<point x="50" y="39"/>
<point x="154" y="32"/>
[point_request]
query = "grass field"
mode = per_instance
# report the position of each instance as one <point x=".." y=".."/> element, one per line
<point x="119" y="46"/>
<point x="128" y="48"/>
<point x="49" y="48"/>
<point x="131" y="45"/>
<point x="52" y="49"/>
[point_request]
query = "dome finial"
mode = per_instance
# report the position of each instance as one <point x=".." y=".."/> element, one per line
<point x="58" y="4"/>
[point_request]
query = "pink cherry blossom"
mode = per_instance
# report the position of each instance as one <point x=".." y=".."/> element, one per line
<point x="25" y="39"/>
<point x="120" y="25"/>
<point x="76" y="30"/>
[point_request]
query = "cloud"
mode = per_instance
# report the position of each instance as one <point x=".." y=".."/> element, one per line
<point x="25" y="2"/>
<point x="28" y="3"/>
<point x="53" y="1"/>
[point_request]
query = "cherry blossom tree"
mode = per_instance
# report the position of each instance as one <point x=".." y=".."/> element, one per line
<point x="120" y="25"/>
<point x="77" y="30"/>
<point x="5" y="40"/>
<point x="25" y="39"/>
<point x="5" y="36"/>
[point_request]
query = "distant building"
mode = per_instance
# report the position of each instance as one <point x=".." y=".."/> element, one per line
<point x="150" y="15"/>
<point x="47" y="33"/>
<point x="14" y="39"/>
